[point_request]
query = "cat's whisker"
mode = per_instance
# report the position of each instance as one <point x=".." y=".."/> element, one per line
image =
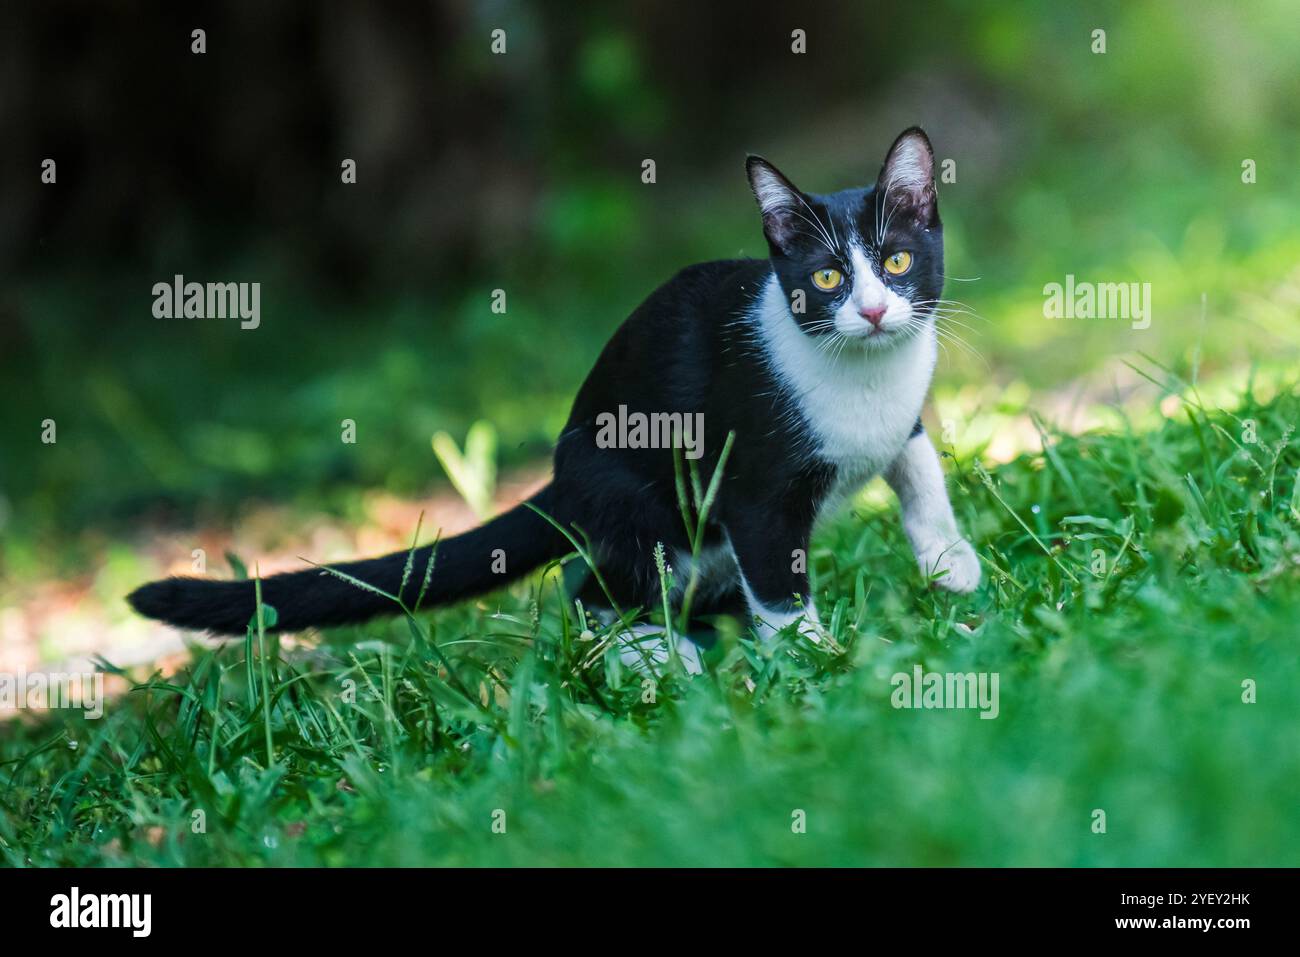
<point x="816" y="220"/>
<point x="937" y="304"/>
<point x="949" y="302"/>
<point x="884" y="199"/>
<point x="956" y="337"/>
<point x="844" y="344"/>
<point x="945" y="307"/>
<point x="958" y="341"/>
<point x="950" y="321"/>
<point x="819" y="238"/>
<point x="952" y="318"/>
<point x="836" y="346"/>
<point x="960" y="310"/>
<point x="827" y="345"/>
<point x="819" y="325"/>
<point x="942" y="345"/>
<point x="888" y="219"/>
<point x="945" y="336"/>
<point x="954" y="304"/>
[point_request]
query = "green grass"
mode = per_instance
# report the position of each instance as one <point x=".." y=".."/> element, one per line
<point x="1133" y="583"/>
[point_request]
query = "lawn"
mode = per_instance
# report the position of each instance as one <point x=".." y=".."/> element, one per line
<point x="1139" y="609"/>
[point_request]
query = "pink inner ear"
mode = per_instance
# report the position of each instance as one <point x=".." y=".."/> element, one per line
<point x="782" y="227"/>
<point x="908" y="178"/>
<point x="778" y="203"/>
<point x="909" y="168"/>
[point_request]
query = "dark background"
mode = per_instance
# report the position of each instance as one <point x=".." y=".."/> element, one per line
<point x="522" y="172"/>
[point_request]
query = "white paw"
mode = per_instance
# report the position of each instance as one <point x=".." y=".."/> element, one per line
<point x="767" y="622"/>
<point x="956" y="565"/>
<point x="644" y="648"/>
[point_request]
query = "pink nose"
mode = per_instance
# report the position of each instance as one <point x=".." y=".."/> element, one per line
<point x="873" y="316"/>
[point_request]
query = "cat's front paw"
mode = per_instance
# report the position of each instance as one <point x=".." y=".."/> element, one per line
<point x="954" y="567"/>
<point x="769" y="621"/>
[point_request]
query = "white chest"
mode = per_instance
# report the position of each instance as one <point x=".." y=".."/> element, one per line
<point x="859" y="406"/>
<point x="861" y="412"/>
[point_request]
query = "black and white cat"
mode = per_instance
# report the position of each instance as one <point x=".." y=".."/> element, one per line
<point x="818" y="359"/>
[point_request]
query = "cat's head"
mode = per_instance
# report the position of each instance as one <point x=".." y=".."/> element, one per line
<point x="866" y="264"/>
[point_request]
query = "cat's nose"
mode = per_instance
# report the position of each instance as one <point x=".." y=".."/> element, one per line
<point x="872" y="316"/>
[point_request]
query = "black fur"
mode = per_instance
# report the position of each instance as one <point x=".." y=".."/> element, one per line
<point x="462" y="568"/>
<point x="688" y="348"/>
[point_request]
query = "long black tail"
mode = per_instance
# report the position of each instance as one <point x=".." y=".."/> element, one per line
<point x="465" y="565"/>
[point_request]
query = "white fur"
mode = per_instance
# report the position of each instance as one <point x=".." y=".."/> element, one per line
<point x="911" y="166"/>
<point x="643" y="646"/>
<point x="768" y="621"/>
<point x="861" y="405"/>
<point x="772" y="193"/>
<point x="917" y="480"/>
<point x="869" y="292"/>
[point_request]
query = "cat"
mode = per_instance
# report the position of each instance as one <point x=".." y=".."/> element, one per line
<point x="817" y="358"/>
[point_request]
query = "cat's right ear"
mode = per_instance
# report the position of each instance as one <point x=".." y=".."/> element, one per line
<point x="907" y="178"/>
<point x="779" y="200"/>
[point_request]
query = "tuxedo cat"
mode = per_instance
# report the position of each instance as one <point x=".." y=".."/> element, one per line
<point x="817" y="358"/>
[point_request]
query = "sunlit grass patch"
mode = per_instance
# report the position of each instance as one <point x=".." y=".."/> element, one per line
<point x="1142" y="586"/>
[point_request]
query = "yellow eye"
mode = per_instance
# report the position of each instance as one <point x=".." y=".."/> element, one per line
<point x="827" y="278"/>
<point x="898" y="263"/>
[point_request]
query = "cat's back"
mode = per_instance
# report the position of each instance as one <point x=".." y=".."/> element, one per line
<point x="663" y="355"/>
<point x="682" y="319"/>
<point x="704" y="292"/>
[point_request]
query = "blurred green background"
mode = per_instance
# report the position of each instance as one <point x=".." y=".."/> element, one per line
<point x="522" y="172"/>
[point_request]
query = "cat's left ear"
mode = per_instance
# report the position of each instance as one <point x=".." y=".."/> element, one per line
<point x="907" y="178"/>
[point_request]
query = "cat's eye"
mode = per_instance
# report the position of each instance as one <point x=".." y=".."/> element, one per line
<point x="898" y="263"/>
<point x="827" y="278"/>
